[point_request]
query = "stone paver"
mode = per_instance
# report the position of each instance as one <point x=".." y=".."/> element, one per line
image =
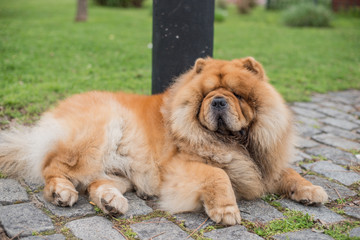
<point x="355" y="232"/>
<point x="328" y="126"/>
<point x="335" y="155"/>
<point x="319" y="98"/>
<point x="94" y="228"/>
<point x="307" y="112"/>
<point x="231" y="233"/>
<point x="194" y="220"/>
<point x="302" y="235"/>
<point x="159" y="227"/>
<point x="250" y="211"/>
<point x="23" y="219"/>
<point x="137" y="206"/>
<point x="341" y="133"/>
<point x="47" y="237"/>
<point x="296" y="168"/>
<point x="300" y="156"/>
<point x="308" y="105"/>
<point x="34" y="186"/>
<point x="307" y="131"/>
<point x="345" y="97"/>
<point x="334" y="190"/>
<point x="321" y="212"/>
<point x="340" y="107"/>
<point x="11" y="191"/>
<point x="333" y="113"/>
<point x="334" y="141"/>
<point x="330" y="170"/>
<point x="353" y="211"/>
<point x="305" y="143"/>
<point x="301" y="120"/>
<point x="81" y="208"/>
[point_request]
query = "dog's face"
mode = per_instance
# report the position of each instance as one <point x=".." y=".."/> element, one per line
<point x="217" y="99"/>
<point x="223" y="111"/>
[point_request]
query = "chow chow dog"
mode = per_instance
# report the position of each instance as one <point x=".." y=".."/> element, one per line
<point x="220" y="133"/>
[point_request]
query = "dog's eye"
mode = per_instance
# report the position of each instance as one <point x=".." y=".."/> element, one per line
<point x="238" y="96"/>
<point x="242" y="132"/>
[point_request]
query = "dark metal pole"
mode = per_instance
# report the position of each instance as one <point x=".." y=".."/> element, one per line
<point x="268" y="4"/>
<point x="183" y="30"/>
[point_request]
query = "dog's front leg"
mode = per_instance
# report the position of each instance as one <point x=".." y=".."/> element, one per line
<point x="299" y="189"/>
<point x="187" y="185"/>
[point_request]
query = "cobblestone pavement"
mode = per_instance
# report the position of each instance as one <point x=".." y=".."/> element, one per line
<point x="328" y="155"/>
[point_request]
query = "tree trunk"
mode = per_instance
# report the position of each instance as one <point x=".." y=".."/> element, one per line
<point x="81" y="14"/>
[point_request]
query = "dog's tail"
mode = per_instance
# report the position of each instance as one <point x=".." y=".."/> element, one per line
<point x="23" y="149"/>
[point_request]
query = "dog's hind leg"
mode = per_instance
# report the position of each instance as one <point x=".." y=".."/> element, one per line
<point x="60" y="191"/>
<point x="297" y="188"/>
<point x="107" y="194"/>
<point x="67" y="167"/>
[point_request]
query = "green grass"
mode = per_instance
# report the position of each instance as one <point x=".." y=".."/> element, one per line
<point x="46" y="56"/>
<point x="299" y="61"/>
<point x="294" y="221"/>
<point x="341" y="231"/>
<point x="2" y="175"/>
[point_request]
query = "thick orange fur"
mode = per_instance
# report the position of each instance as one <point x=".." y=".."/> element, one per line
<point x="220" y="132"/>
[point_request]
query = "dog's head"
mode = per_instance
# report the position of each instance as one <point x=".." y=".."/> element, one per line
<point x="227" y="109"/>
<point x="222" y="100"/>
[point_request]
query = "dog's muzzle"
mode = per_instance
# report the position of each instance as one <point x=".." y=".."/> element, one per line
<point x="219" y="104"/>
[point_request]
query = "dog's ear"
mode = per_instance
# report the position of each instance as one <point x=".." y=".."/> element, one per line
<point x="255" y="67"/>
<point x="199" y="65"/>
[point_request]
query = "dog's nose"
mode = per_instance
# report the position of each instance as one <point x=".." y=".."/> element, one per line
<point x="219" y="103"/>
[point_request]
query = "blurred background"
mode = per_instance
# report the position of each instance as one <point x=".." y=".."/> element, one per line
<point x="50" y="49"/>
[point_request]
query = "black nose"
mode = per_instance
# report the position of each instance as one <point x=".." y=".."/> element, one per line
<point x="219" y="103"/>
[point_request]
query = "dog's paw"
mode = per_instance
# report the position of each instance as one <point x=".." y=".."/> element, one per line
<point x="309" y="195"/>
<point x="111" y="201"/>
<point x="61" y="193"/>
<point x="143" y="195"/>
<point x="227" y="215"/>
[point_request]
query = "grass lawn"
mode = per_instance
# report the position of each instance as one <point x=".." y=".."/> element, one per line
<point x="45" y="56"/>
